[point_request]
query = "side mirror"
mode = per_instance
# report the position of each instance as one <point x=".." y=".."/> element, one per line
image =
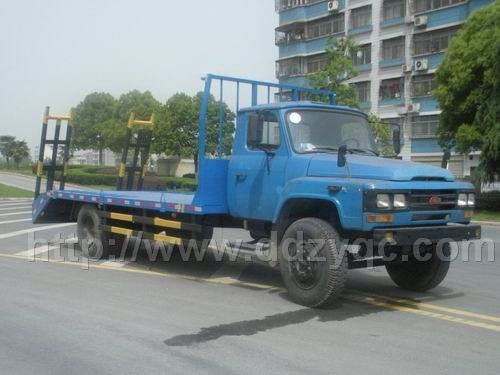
<point x="396" y="140"/>
<point x="342" y="156"/>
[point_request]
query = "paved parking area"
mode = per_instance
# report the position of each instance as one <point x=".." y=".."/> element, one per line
<point x="61" y="314"/>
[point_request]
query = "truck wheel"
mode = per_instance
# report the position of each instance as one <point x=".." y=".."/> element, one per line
<point x="312" y="262"/>
<point x="421" y="276"/>
<point x="93" y="241"/>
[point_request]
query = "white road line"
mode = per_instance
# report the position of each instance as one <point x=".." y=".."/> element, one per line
<point x="14" y="208"/>
<point x="15" y="204"/>
<point x="16" y="213"/>
<point x="33" y="253"/>
<point x="32" y="230"/>
<point x="14" y="221"/>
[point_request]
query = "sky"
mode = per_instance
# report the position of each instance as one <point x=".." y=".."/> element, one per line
<point x="54" y="52"/>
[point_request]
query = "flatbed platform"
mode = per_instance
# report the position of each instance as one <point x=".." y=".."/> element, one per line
<point x="158" y="201"/>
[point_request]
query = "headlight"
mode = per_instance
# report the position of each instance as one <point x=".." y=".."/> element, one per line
<point x="463" y="200"/>
<point x="471" y="201"/>
<point x="400" y="201"/>
<point x="384" y="201"/>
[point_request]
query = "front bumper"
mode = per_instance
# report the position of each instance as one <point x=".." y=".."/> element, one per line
<point x="409" y="236"/>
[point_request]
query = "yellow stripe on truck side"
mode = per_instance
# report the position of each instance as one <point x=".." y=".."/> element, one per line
<point x="122" y="231"/>
<point x="167" y="239"/>
<point x="167" y="223"/>
<point x="121" y="217"/>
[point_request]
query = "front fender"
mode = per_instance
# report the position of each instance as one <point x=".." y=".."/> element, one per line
<point x="345" y="195"/>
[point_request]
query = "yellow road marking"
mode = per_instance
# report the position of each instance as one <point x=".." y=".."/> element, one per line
<point x="429" y="314"/>
<point x="420" y="305"/>
<point x="379" y="301"/>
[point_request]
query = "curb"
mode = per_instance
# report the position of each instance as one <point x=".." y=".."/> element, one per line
<point x="16" y="199"/>
<point x="490" y="223"/>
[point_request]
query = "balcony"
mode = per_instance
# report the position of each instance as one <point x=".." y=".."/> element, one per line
<point x="306" y="47"/>
<point x="388" y="102"/>
<point x="361" y="30"/>
<point x="392" y="22"/>
<point x="363" y="67"/>
<point x="306" y="12"/>
<point x="425" y="145"/>
<point x="392" y="62"/>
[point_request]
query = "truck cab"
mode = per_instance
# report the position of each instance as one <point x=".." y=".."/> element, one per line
<point x="313" y="169"/>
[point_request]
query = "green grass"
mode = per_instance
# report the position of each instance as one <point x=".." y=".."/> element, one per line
<point x="12" y="192"/>
<point x="487" y="216"/>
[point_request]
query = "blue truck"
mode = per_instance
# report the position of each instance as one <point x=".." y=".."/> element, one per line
<point x="303" y="174"/>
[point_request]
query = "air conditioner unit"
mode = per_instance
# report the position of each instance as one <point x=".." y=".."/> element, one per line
<point x="413" y="108"/>
<point x="421" y="20"/>
<point x="333" y="6"/>
<point x="406" y="69"/>
<point x="421" y="65"/>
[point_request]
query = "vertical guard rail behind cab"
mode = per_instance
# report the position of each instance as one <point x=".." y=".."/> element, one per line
<point x="259" y="90"/>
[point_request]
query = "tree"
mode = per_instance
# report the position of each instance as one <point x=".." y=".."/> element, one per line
<point x="20" y="152"/>
<point x="383" y="135"/>
<point x="338" y="70"/>
<point x="6" y="142"/>
<point x="177" y="130"/>
<point x="95" y="125"/>
<point x="13" y="150"/>
<point x="469" y="91"/>
<point x="177" y="133"/>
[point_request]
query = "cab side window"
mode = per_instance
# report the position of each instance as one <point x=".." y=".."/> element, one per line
<point x="263" y="131"/>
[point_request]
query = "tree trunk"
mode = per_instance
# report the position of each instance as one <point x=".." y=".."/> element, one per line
<point x="101" y="157"/>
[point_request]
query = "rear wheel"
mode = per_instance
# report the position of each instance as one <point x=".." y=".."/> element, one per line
<point x="313" y="263"/>
<point x="94" y="242"/>
<point x="424" y="274"/>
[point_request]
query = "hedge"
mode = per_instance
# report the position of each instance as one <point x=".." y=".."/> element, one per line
<point x="488" y="201"/>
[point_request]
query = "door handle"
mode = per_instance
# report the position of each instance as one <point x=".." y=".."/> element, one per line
<point x="241" y="176"/>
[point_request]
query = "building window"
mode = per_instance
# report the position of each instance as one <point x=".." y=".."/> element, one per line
<point x="424" y="126"/>
<point x="363" y="91"/>
<point x="288" y="4"/>
<point x="434" y="41"/>
<point x="286" y="37"/>
<point x="423" y="85"/>
<point x="391" y="89"/>
<point x="316" y="64"/>
<point x="393" y="9"/>
<point x="326" y="27"/>
<point x="363" y="56"/>
<point x="361" y="17"/>
<point x="393" y="49"/>
<point x="425" y="5"/>
<point x="290" y="67"/>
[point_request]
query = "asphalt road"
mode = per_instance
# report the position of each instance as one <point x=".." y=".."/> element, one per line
<point x="60" y="317"/>
<point x="27" y="182"/>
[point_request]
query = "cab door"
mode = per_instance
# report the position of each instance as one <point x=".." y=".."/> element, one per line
<point x="257" y="168"/>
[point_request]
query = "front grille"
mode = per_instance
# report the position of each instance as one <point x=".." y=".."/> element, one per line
<point x="420" y="200"/>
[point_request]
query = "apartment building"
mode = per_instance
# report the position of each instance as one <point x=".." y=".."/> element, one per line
<point x="402" y="43"/>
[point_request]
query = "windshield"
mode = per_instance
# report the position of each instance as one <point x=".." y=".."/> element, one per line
<point x="327" y="131"/>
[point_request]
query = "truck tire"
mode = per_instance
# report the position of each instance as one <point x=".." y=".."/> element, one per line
<point x="421" y="276"/>
<point x="313" y="282"/>
<point x="93" y="241"/>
